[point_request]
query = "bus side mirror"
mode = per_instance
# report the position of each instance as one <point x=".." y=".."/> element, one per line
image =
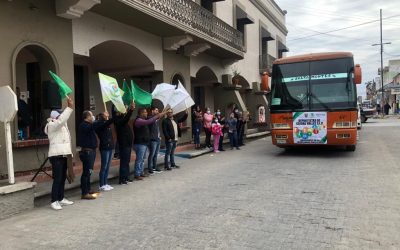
<point x="357" y="74"/>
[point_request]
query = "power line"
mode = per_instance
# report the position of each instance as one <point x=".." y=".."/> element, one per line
<point x="349" y="27"/>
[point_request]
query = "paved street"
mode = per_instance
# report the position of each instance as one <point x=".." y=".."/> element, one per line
<point x="260" y="197"/>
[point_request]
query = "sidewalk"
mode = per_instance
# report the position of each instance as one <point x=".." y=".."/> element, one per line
<point x="183" y="153"/>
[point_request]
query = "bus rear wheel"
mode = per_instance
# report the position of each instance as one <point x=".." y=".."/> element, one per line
<point x="351" y="148"/>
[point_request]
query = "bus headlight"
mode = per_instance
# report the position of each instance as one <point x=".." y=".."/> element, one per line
<point x="280" y="126"/>
<point x="345" y="124"/>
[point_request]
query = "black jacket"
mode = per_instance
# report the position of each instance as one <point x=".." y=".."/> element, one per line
<point x="87" y="136"/>
<point x="168" y="128"/>
<point x="104" y="134"/>
<point x="124" y="132"/>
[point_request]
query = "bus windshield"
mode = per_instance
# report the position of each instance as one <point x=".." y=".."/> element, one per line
<point x="314" y="85"/>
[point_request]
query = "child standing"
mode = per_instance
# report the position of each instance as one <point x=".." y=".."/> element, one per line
<point x="216" y="129"/>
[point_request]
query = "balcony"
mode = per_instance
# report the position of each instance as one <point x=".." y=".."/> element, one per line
<point x="169" y="18"/>
<point x="266" y="61"/>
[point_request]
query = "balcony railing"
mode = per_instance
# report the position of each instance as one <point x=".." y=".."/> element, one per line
<point x="191" y="14"/>
<point x="266" y="63"/>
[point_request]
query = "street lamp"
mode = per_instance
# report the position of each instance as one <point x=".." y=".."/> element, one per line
<point x="381" y="44"/>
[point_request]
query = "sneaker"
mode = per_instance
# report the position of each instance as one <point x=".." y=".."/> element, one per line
<point x="65" y="202"/>
<point x="109" y="187"/>
<point x="168" y="168"/>
<point x="88" y="197"/>
<point x="151" y="172"/>
<point x="129" y="180"/>
<point x="238" y="148"/>
<point x="144" y="175"/>
<point x="104" y="188"/>
<point x="175" y="166"/>
<point x="157" y="171"/>
<point x="55" y="205"/>
<point x="216" y="151"/>
<point x="123" y="183"/>
<point x="139" y="178"/>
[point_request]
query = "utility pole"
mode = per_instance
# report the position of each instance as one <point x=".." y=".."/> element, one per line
<point x="381" y="44"/>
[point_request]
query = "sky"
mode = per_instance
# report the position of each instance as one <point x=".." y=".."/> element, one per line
<point x="307" y="20"/>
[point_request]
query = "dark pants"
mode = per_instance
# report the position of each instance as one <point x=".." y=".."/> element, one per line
<point x="59" y="166"/>
<point x="124" y="160"/>
<point x="208" y="137"/>
<point x="106" y="156"/>
<point x="87" y="158"/>
<point x="240" y="136"/>
<point x="169" y="153"/>
<point x="233" y="139"/>
<point x="196" y="136"/>
<point x="221" y="140"/>
<point x="154" y="148"/>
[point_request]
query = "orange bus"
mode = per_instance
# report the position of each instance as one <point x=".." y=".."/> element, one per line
<point x="314" y="100"/>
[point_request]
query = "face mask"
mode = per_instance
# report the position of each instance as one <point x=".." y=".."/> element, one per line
<point x="93" y="118"/>
<point x="218" y="113"/>
<point x="236" y="111"/>
<point x="216" y="121"/>
<point x="208" y="112"/>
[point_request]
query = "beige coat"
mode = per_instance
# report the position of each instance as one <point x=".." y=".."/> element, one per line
<point x="58" y="133"/>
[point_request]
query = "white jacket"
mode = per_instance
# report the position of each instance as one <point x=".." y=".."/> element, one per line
<point x="58" y="133"/>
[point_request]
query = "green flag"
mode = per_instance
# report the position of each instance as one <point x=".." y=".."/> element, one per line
<point x="63" y="88"/>
<point x="140" y="96"/>
<point x="127" y="96"/>
<point x="111" y="92"/>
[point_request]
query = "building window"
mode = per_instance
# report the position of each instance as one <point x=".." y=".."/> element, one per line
<point x="208" y="5"/>
<point x="242" y="19"/>
<point x="36" y="94"/>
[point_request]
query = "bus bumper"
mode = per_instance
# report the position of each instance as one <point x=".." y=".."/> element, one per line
<point x="345" y="137"/>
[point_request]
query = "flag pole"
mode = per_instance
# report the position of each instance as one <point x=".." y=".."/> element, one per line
<point x="105" y="107"/>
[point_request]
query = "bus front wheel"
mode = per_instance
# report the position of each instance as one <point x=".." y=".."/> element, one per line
<point x="351" y="148"/>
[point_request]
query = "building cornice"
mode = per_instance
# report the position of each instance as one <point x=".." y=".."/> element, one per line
<point x="266" y="12"/>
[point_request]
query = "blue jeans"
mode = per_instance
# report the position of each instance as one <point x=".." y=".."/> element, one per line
<point x="87" y="158"/>
<point x="196" y="136"/>
<point x="124" y="160"/>
<point x="153" y="153"/>
<point x="106" y="156"/>
<point x="233" y="139"/>
<point x="140" y="150"/>
<point x="169" y="153"/>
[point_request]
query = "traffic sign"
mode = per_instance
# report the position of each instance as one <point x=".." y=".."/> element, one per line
<point x="8" y="104"/>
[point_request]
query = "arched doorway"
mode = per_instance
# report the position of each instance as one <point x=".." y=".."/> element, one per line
<point x="118" y="59"/>
<point x="37" y="95"/>
<point x="202" y="87"/>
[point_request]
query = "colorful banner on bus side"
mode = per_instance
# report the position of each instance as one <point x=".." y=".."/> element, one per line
<point x="310" y="127"/>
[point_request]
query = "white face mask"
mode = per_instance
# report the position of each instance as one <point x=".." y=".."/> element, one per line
<point x="208" y="111"/>
<point x="93" y="118"/>
<point x="216" y="121"/>
<point x="218" y="113"/>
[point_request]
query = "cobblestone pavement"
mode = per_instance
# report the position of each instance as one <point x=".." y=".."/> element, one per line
<point x="260" y="197"/>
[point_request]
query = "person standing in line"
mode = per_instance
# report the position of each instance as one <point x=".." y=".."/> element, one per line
<point x="216" y="129"/>
<point x="142" y="139"/>
<point x="386" y="108"/>
<point x="232" y="131"/>
<point x="59" y="148"/>
<point x="106" y="145"/>
<point x="171" y="132"/>
<point x="221" y="120"/>
<point x="124" y="139"/>
<point x="207" y="119"/>
<point x="197" y="117"/>
<point x="87" y="140"/>
<point x="155" y="141"/>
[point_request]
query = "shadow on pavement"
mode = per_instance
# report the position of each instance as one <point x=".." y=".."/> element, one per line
<point x="316" y="152"/>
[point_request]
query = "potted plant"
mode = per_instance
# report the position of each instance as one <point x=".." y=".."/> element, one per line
<point x="236" y="77"/>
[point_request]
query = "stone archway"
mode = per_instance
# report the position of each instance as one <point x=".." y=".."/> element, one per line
<point x="202" y="87"/>
<point x="30" y="65"/>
